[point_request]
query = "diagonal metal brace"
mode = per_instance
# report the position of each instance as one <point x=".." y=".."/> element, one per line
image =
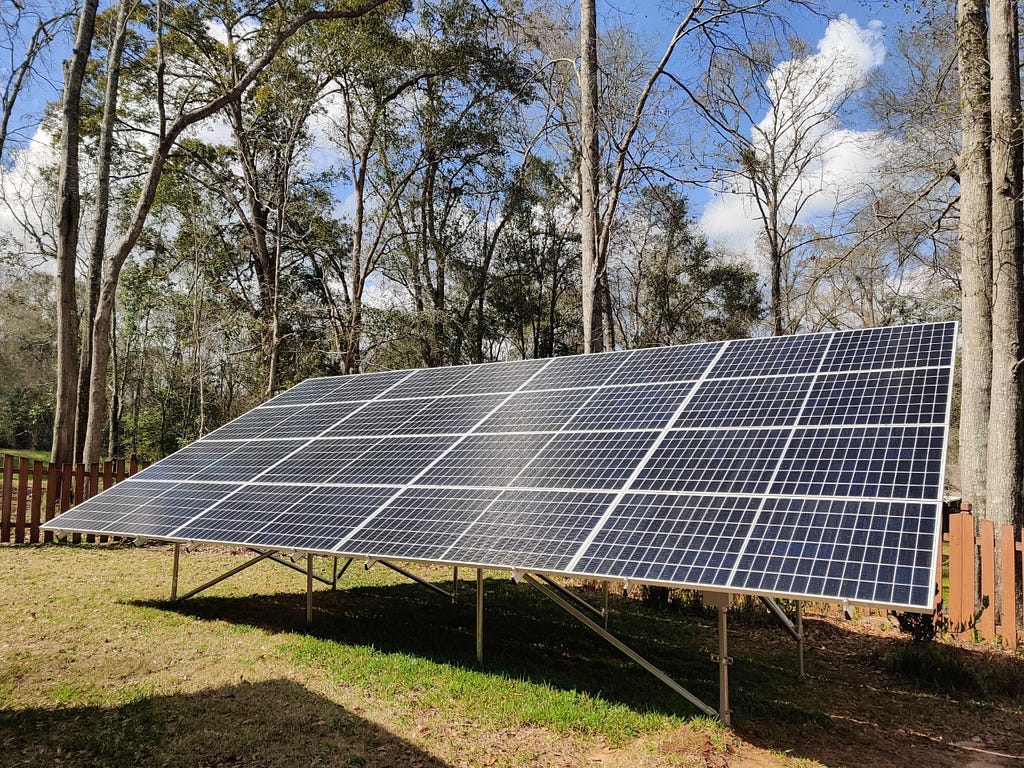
<point x="237" y="569"/>
<point x="418" y="579"/>
<point x="621" y="646"/>
<point x="289" y="564"/>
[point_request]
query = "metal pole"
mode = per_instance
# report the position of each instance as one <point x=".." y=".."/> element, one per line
<point x="232" y="572"/>
<point x="334" y="577"/>
<point x="339" y="574"/>
<point x="174" y="577"/>
<point x="604" y="589"/>
<point x="723" y="666"/>
<point x="800" y="634"/>
<point x="480" y="615"/>
<point x="309" y="589"/>
<point x="571" y="595"/>
<point x="455" y="584"/>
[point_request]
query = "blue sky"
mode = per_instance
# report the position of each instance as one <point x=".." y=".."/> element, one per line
<point x="656" y="20"/>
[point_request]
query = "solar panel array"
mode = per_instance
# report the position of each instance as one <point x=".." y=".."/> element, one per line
<point x="806" y="466"/>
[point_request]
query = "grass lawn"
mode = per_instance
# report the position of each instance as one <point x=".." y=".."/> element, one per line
<point x="43" y="456"/>
<point x="97" y="669"/>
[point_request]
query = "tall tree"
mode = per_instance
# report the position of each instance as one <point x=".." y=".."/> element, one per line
<point x="592" y="266"/>
<point x="68" y="225"/>
<point x="101" y="212"/>
<point x="172" y="121"/>
<point x="1003" y="484"/>
<point x="975" y="249"/>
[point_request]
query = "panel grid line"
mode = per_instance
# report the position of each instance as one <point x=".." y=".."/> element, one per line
<point x="778" y="466"/>
<point x="643" y="463"/>
<point x="409" y="484"/>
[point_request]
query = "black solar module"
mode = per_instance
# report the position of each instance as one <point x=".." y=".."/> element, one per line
<point x="803" y="466"/>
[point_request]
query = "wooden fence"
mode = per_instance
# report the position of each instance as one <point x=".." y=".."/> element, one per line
<point x="32" y="493"/>
<point x="973" y="604"/>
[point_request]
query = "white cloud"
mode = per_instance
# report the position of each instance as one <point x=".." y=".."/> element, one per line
<point x="27" y="197"/>
<point x="805" y="93"/>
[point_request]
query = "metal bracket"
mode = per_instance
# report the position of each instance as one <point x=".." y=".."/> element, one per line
<point x="721" y="659"/>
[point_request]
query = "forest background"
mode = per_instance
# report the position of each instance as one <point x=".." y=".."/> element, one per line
<point x="241" y="194"/>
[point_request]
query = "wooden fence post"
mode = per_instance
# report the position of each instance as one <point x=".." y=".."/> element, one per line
<point x="6" y="489"/>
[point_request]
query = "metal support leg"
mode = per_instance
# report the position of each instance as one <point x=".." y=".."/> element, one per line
<point x="800" y="634"/>
<point x="723" y="666"/>
<point x="232" y="572"/>
<point x="625" y="649"/>
<point x="174" y="576"/>
<point x="604" y="590"/>
<point x="455" y="584"/>
<point x="334" y="575"/>
<point x="480" y="615"/>
<point x="309" y="589"/>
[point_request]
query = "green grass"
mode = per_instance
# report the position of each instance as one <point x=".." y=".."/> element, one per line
<point x="100" y="670"/>
<point x="43" y="456"/>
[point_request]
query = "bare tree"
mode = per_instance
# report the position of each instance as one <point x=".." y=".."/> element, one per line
<point x="22" y="50"/>
<point x="1003" y="483"/>
<point x="68" y="224"/>
<point x="975" y="249"/>
<point x="776" y="161"/>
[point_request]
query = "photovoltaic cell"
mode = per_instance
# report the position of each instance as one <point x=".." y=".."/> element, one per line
<point x="862" y="551"/>
<point x="586" y="460"/>
<point x="876" y="462"/>
<point x="735" y="461"/>
<point x="486" y="460"/>
<point x="421" y="523"/>
<point x="530" y="529"/>
<point x="885" y="348"/>
<point x="630" y="407"/>
<point x="803" y="466"/>
<point x="771" y="355"/>
<point x="664" y="364"/>
<point x="912" y="396"/>
<point x="324" y="516"/>
<point x="760" y="402"/>
<point x="669" y="538"/>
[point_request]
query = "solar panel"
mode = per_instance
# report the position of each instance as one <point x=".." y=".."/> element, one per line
<point x="805" y="466"/>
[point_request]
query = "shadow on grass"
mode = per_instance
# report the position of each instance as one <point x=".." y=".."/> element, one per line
<point x="271" y="723"/>
<point x="525" y="637"/>
<point x="861" y="704"/>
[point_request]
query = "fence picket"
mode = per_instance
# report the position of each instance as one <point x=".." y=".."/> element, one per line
<point x="35" y="510"/>
<point x="21" y="502"/>
<point x="5" y="499"/>
<point x="1008" y="582"/>
<point x="52" y="494"/>
<point x="987" y="622"/>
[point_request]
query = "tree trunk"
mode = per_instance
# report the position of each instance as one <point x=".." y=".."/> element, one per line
<point x="589" y="187"/>
<point x="99" y="243"/>
<point x="68" y="222"/>
<point x="975" y="250"/>
<point x="1004" y="460"/>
